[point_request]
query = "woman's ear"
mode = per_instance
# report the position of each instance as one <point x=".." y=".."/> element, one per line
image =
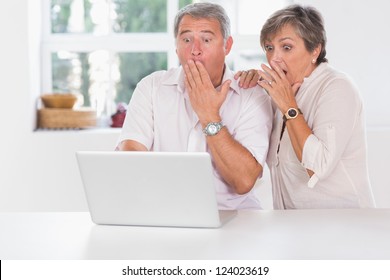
<point x="317" y="51"/>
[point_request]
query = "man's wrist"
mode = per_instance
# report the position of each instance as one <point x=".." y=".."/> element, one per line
<point x="213" y="128"/>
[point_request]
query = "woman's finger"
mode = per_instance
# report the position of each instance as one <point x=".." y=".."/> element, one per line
<point x="272" y="75"/>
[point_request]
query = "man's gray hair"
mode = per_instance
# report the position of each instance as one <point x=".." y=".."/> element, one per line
<point x="205" y="11"/>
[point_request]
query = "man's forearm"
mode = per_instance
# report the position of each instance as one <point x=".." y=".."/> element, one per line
<point x="234" y="162"/>
<point x="130" y="145"/>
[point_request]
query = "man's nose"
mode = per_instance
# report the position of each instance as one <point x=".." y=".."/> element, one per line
<point x="196" y="48"/>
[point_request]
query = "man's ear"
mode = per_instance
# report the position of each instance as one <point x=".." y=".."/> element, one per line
<point x="228" y="45"/>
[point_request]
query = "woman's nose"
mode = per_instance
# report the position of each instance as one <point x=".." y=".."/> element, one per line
<point x="276" y="56"/>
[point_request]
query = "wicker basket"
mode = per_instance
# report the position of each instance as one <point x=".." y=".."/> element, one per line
<point x="66" y="118"/>
<point x="57" y="100"/>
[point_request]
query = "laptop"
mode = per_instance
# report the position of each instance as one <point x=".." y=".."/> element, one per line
<point x="173" y="189"/>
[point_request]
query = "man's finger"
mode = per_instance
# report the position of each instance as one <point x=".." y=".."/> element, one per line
<point x="204" y="75"/>
<point x="194" y="72"/>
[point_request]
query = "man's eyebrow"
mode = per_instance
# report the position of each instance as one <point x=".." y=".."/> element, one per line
<point x="202" y="31"/>
<point x="184" y="32"/>
<point x="208" y="31"/>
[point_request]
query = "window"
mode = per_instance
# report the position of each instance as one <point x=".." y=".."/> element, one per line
<point x="100" y="49"/>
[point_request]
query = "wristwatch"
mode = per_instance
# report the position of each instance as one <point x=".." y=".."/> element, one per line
<point x="212" y="128"/>
<point x="291" y="113"/>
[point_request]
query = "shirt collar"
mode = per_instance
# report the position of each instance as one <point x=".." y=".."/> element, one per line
<point x="316" y="72"/>
<point x="313" y="76"/>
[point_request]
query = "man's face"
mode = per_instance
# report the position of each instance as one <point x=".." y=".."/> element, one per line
<point x="202" y="40"/>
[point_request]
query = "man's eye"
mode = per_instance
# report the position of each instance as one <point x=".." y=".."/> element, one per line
<point x="207" y="40"/>
<point x="186" y="40"/>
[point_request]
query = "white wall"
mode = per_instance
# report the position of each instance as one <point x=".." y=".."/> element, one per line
<point x="38" y="171"/>
<point x="358" y="43"/>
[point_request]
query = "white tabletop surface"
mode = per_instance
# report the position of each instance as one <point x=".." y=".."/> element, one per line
<point x="264" y="234"/>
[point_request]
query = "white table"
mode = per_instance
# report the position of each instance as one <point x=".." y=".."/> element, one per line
<point x="271" y="235"/>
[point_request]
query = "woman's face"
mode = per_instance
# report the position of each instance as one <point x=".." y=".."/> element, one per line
<point x="287" y="49"/>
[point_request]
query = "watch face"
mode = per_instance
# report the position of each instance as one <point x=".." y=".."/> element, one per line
<point x="212" y="129"/>
<point x="292" y="113"/>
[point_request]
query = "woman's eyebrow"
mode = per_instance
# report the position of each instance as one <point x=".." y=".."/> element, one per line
<point x="285" y="38"/>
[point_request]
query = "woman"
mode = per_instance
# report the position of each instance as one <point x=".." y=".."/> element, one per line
<point x="317" y="155"/>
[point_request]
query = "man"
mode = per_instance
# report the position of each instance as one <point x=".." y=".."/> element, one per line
<point x="200" y="107"/>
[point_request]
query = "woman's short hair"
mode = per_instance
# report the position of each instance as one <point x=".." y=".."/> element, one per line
<point x="308" y="24"/>
<point x="207" y="11"/>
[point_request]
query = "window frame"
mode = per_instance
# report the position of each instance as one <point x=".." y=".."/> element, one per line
<point x="113" y="42"/>
<point x="127" y="42"/>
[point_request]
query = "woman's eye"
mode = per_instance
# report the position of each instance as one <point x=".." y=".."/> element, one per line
<point x="287" y="48"/>
<point x="268" y="48"/>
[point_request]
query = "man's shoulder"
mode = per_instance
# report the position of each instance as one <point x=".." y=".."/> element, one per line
<point x="161" y="81"/>
<point x="245" y="93"/>
<point x="255" y="92"/>
<point x="157" y="75"/>
<point x="162" y="76"/>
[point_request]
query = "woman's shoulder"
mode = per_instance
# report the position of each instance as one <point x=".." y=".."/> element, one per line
<point x="335" y="76"/>
<point x="338" y="84"/>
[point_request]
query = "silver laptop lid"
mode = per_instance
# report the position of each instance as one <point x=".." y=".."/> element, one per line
<point x="149" y="188"/>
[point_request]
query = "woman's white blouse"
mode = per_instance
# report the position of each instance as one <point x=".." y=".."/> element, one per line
<point x="335" y="151"/>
